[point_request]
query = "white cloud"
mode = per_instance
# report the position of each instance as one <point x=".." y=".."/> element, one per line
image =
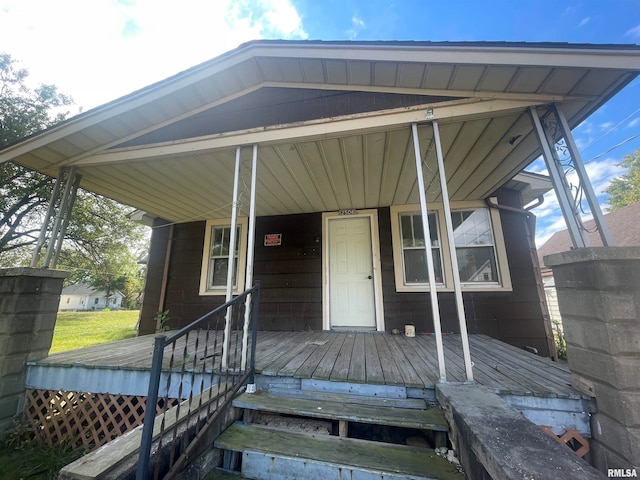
<point x="606" y="125"/>
<point x="584" y="22"/>
<point x="633" y="123"/>
<point x="357" y="25"/>
<point x="97" y="51"/>
<point x="633" y="32"/>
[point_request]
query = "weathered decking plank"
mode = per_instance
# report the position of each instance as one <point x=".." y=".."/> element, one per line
<point x="512" y="374"/>
<point x="404" y="363"/>
<point x="293" y="348"/>
<point x="372" y="361"/>
<point x="426" y="371"/>
<point x="310" y="345"/>
<point x="371" y="358"/>
<point x="357" y="368"/>
<point x="325" y="367"/>
<point x="311" y="363"/>
<point x="340" y="372"/>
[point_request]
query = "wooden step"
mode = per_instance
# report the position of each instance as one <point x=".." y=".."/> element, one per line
<point x="323" y="454"/>
<point x="427" y="419"/>
<point x="415" y="403"/>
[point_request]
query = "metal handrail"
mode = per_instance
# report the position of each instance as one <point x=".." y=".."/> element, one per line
<point x="251" y="300"/>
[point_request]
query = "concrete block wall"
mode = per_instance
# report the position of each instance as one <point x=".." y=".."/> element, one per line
<point x="599" y="298"/>
<point x="29" y="299"/>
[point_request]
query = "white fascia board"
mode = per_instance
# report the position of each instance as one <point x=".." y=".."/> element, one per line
<point x="609" y="58"/>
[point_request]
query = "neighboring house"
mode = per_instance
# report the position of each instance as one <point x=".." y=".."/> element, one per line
<point x="624" y="227"/>
<point x="342" y="132"/>
<point x="85" y="297"/>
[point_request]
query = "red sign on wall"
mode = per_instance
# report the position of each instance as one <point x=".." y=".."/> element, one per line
<point x="272" y="239"/>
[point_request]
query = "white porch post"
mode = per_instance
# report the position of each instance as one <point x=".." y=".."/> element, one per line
<point x="578" y="164"/>
<point x="435" y="309"/>
<point x="565" y="200"/>
<point x="462" y="319"/>
<point x="250" y="254"/>
<point x="64" y="205"/>
<point x="231" y="261"/>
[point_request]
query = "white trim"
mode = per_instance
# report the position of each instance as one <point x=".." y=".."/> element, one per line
<point x="319" y="128"/>
<point x="504" y="277"/>
<point x="375" y="263"/>
<point x="242" y="256"/>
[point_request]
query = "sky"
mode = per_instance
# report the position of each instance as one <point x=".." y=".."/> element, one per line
<point x="99" y="50"/>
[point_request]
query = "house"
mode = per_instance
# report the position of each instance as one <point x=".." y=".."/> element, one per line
<point x="367" y="186"/>
<point x="624" y="226"/>
<point x="346" y="154"/>
<point x="85" y="297"/>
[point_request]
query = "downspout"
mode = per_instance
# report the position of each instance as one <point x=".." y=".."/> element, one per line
<point x="530" y="229"/>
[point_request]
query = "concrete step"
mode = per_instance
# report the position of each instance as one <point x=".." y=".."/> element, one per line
<point x="342" y="408"/>
<point x="277" y="454"/>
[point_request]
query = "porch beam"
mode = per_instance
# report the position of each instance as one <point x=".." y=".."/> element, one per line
<point x="563" y="192"/>
<point x="585" y="182"/>
<point x="435" y="308"/>
<point x="437" y="92"/>
<point x="462" y="318"/>
<point x="231" y="261"/>
<point x="304" y="131"/>
<point x="250" y="255"/>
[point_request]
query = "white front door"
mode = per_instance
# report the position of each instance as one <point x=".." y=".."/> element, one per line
<point x="351" y="276"/>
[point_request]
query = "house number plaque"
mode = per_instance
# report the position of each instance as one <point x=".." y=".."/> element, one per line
<point x="351" y="211"/>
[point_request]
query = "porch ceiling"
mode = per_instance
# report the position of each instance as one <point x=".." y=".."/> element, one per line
<point x="359" y="157"/>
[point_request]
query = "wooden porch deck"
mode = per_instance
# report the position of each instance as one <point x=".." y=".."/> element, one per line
<point x="359" y="358"/>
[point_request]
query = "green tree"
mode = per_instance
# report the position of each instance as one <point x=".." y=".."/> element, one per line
<point x="101" y="244"/>
<point x="625" y="189"/>
<point x="23" y="194"/>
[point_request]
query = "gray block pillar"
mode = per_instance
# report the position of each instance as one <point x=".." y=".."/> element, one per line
<point x="599" y="299"/>
<point x="29" y="299"/>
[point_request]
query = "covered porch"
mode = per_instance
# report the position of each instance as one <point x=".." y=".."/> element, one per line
<point x="366" y="364"/>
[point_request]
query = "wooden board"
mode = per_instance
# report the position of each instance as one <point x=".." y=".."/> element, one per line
<point x="414" y="403"/>
<point x="421" y="462"/>
<point x="428" y="419"/>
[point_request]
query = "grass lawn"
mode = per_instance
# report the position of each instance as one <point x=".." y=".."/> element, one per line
<point x="81" y="329"/>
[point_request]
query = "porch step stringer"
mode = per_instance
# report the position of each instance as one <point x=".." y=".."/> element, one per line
<point x="276" y="454"/>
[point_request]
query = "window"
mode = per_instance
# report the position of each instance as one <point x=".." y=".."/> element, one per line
<point x="413" y="249"/>
<point x="478" y="240"/>
<point x="474" y="246"/>
<point x="215" y="258"/>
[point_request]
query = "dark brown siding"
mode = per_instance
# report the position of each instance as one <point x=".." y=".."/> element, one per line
<point x="291" y="277"/>
<point x="514" y="317"/>
<point x="153" y="283"/>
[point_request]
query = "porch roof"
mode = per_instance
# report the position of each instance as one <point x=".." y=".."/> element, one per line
<point x="332" y="123"/>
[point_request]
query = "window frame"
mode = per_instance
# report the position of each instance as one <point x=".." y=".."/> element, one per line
<point x="242" y="223"/>
<point x="502" y="266"/>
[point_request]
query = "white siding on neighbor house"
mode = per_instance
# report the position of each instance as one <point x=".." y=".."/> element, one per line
<point x="72" y="302"/>
<point x="78" y="298"/>
<point x="552" y="298"/>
